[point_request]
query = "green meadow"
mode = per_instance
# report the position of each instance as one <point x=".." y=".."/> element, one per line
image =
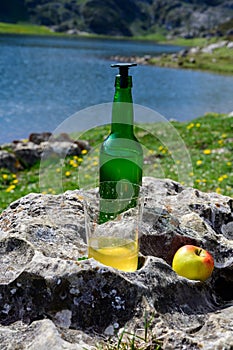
<point x="197" y="153"/>
<point x="219" y="61"/>
<point x="22" y="28"/>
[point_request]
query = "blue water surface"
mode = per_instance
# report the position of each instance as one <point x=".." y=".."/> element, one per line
<point x="44" y="80"/>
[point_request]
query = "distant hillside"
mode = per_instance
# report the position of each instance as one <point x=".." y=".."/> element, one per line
<point x="13" y="11"/>
<point x="125" y="17"/>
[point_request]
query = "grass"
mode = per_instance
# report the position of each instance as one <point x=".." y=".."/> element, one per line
<point x="196" y="153"/>
<point x="31" y="29"/>
<point x="161" y="37"/>
<point x="142" y="339"/>
<point x="24" y="28"/>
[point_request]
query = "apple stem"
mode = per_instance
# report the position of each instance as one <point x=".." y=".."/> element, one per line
<point x="199" y="252"/>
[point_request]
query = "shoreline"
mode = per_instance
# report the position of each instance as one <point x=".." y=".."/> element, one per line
<point x="204" y="54"/>
<point x="215" y="58"/>
<point x="37" y="30"/>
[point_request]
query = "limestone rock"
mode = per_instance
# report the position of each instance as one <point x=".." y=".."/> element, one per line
<point x="25" y="153"/>
<point x="49" y="299"/>
<point x="214" y="46"/>
<point x="61" y="148"/>
<point x="8" y="161"/>
<point x="37" y="138"/>
<point x="40" y="335"/>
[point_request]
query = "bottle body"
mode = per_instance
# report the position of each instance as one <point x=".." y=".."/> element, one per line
<point x="121" y="159"/>
<point x="121" y="155"/>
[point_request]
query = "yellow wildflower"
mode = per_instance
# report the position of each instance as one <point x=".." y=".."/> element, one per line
<point x="224" y="136"/>
<point x="67" y="173"/>
<point x="160" y="148"/>
<point x="75" y="157"/>
<point x="5" y="176"/>
<point x="14" y="176"/>
<point x="10" y="188"/>
<point x="199" y="162"/>
<point x="84" y="151"/>
<point x="207" y="151"/>
<point x="15" y="181"/>
<point x="229" y="163"/>
<point x="191" y="173"/>
<point x="218" y="190"/>
<point x="198" y="125"/>
<point x="225" y="176"/>
<point x="80" y="160"/>
<point x="73" y="163"/>
<point x="52" y="191"/>
<point x="190" y="126"/>
<point x="95" y="163"/>
<point x="220" y="179"/>
<point x="58" y="170"/>
<point x="220" y="142"/>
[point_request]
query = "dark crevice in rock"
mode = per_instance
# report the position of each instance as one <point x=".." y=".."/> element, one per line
<point x="25" y="299"/>
<point x="174" y="187"/>
<point x="141" y="262"/>
<point x="163" y="247"/>
<point x="14" y="205"/>
<point x="223" y="283"/>
<point x="224" y="288"/>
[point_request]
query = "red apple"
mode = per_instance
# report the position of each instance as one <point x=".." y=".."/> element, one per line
<point x="193" y="262"/>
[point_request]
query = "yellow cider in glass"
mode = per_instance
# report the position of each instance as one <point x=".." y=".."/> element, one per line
<point x="118" y="253"/>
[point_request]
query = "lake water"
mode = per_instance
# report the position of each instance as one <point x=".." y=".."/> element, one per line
<point x="43" y="81"/>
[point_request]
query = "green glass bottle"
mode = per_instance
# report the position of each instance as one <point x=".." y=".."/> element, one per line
<point x="121" y="155"/>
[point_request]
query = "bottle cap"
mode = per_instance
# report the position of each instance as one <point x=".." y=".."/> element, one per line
<point x="123" y="67"/>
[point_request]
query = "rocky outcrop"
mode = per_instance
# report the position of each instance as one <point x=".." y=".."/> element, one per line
<point x="206" y="57"/>
<point x="22" y="154"/>
<point x="148" y="59"/>
<point x="8" y="160"/>
<point x="52" y="299"/>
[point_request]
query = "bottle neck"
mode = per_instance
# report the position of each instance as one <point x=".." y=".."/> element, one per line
<point x="122" y="110"/>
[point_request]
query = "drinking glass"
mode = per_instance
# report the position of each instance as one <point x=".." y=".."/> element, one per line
<point x="113" y="215"/>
